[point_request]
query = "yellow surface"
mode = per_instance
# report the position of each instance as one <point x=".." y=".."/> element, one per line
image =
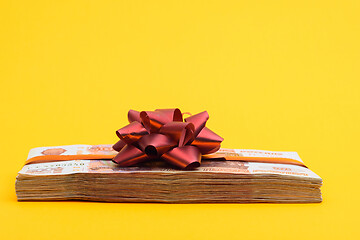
<point x="274" y="75"/>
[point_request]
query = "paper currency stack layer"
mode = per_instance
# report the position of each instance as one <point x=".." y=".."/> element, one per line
<point x="215" y="181"/>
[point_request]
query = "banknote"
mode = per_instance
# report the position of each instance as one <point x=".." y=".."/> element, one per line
<point x="105" y="151"/>
<point x="106" y="166"/>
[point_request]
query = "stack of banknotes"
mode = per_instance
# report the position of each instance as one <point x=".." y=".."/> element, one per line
<point x="215" y="181"/>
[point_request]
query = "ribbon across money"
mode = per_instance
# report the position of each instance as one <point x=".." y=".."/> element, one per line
<point x="163" y="134"/>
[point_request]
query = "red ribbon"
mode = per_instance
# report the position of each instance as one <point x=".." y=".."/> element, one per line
<point x="163" y="134"/>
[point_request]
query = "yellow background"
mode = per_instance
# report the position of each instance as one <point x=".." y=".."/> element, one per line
<point x="274" y="75"/>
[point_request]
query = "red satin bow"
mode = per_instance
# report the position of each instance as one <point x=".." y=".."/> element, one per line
<point x="163" y="134"/>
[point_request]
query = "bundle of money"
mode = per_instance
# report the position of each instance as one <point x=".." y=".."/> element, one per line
<point x="215" y="181"/>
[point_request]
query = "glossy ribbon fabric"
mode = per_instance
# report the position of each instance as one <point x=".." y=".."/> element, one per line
<point x="164" y="134"/>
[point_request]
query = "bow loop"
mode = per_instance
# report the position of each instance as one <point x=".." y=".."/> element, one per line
<point x="130" y="155"/>
<point x="172" y="113"/>
<point x="186" y="157"/>
<point x="207" y="141"/>
<point x="134" y="116"/>
<point x="131" y="132"/>
<point x="181" y="132"/>
<point x="154" y="120"/>
<point x="199" y="120"/>
<point x="119" y="145"/>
